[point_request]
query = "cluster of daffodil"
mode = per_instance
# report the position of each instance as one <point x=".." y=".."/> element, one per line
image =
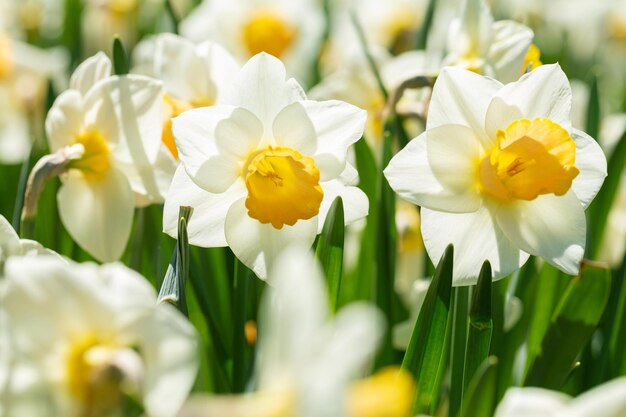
<point x="312" y="208"/>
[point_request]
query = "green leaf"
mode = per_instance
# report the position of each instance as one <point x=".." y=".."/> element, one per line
<point x="479" y="400"/>
<point x="173" y="288"/>
<point x="617" y="343"/>
<point x="593" y="109"/>
<point x="120" y="58"/>
<point x="458" y="346"/>
<point x="330" y="250"/>
<point x="601" y="205"/>
<point x="422" y="35"/>
<point x="240" y="316"/>
<point x="550" y="287"/>
<point x="571" y="327"/>
<point x="481" y="324"/>
<point x="426" y="353"/>
<point x="172" y="15"/>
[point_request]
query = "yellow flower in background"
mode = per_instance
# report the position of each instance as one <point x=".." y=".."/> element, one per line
<point x="289" y="30"/>
<point x="262" y="168"/>
<point x="500" y="173"/>
<point x="83" y="337"/>
<point x="109" y="127"/>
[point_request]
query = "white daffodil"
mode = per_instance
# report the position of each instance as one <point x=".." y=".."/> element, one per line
<point x="305" y="360"/>
<point x="606" y="400"/>
<point x="496" y="49"/>
<point x="84" y="337"/>
<point x="500" y="173"/>
<point x="110" y="131"/>
<point x="262" y="168"/>
<point x="289" y="30"/>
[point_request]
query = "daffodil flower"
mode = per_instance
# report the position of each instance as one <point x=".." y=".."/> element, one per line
<point x="262" y="168"/>
<point x="305" y="360"/>
<point x="500" y="173"/>
<point x="291" y="31"/>
<point x="109" y="128"/>
<point x="496" y="49"/>
<point x="606" y="400"/>
<point x="83" y="337"/>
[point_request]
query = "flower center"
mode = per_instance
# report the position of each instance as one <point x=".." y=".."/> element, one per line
<point x="401" y="29"/>
<point x="531" y="158"/>
<point x="173" y="108"/>
<point x="93" y="161"/>
<point x="6" y="57"/>
<point x="267" y="31"/>
<point x="92" y="378"/>
<point x="283" y="186"/>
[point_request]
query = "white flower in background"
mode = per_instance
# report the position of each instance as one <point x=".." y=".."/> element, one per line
<point x="500" y="173"/>
<point x="111" y="131"/>
<point x="606" y="400"/>
<point x="24" y="74"/>
<point x="85" y="336"/>
<point x="289" y="30"/>
<point x="305" y="360"/>
<point x="192" y="75"/>
<point x="262" y="168"/>
<point x="496" y="49"/>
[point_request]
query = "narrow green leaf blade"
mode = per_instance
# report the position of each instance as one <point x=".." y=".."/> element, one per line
<point x="173" y="288"/>
<point x="593" y="109"/>
<point x="571" y="327"/>
<point x="481" y="324"/>
<point x="120" y="58"/>
<point x="458" y="347"/>
<point x="426" y="351"/>
<point x="479" y="400"/>
<point x="330" y="250"/>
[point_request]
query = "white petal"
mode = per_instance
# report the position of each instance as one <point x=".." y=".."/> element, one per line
<point x="239" y="134"/>
<point x="169" y="348"/>
<point x="206" y="226"/>
<point x="184" y="73"/>
<point x="65" y="119"/>
<point x="222" y="66"/>
<point x="127" y="111"/>
<point x="531" y="402"/>
<point x="341" y="350"/>
<point x="591" y="162"/>
<point x="293" y="129"/>
<point x="606" y="400"/>
<point x="196" y="135"/>
<point x="476" y="237"/>
<point x="410" y="175"/>
<point x="337" y="125"/>
<point x="508" y="49"/>
<point x="98" y="215"/>
<point x="9" y="240"/>
<point x="257" y="245"/>
<point x="262" y="88"/>
<point x="544" y="92"/>
<point x="89" y="72"/>
<point x="293" y="311"/>
<point x="453" y="154"/>
<point x="355" y="202"/>
<point x="549" y="226"/>
<point x="462" y="97"/>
